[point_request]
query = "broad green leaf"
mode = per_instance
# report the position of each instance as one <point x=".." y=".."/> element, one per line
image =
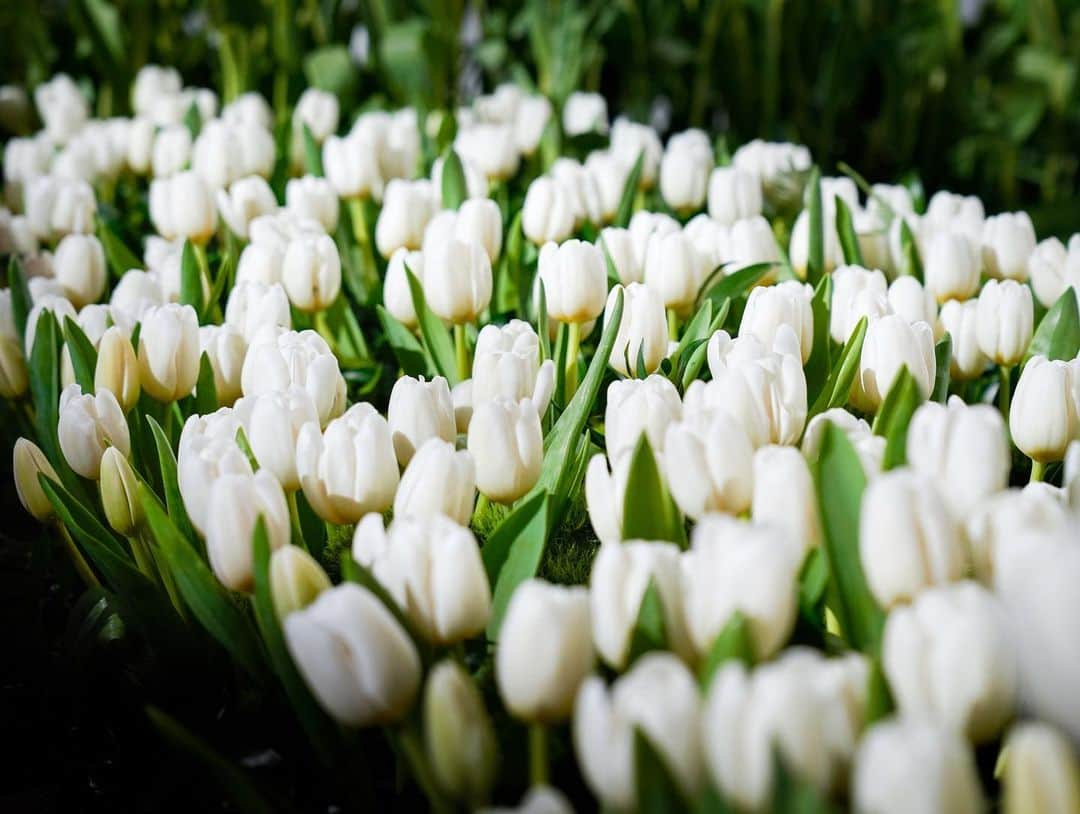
<point x="21" y="302"/>
<point x="312" y="154"/>
<point x="523" y="558"/>
<point x="626" y="202"/>
<point x="407" y="350"/>
<point x="838" y="385"/>
<point x="840" y="481"/>
<point x="792" y="794"/>
<point x="542" y="322"/>
<point x="649" y="631"/>
<point x="648" y="510"/>
<point x="879" y="699"/>
<point x="732" y="643"/>
<point x="943" y="362"/>
<point x="1058" y="334"/>
<point x="817" y="366"/>
<point x="909" y="250"/>
<point x="813" y="579"/>
<point x="732" y="285"/>
<point x="696" y="329"/>
<point x="815" y="263"/>
<point x="209" y="602"/>
<point x="232" y="780"/>
<point x="191" y="289"/>
<point x="657" y="791"/>
<point x="437" y="342"/>
<point x="119" y="257"/>
<point x="609" y="265"/>
<point x="193" y="120"/>
<point x="167" y="464"/>
<point x="223" y="280"/>
<point x="894" y="416"/>
<point x="454" y="190"/>
<point x="82" y="353"/>
<point x="102" y="546"/>
<point x="44" y="370"/>
<point x="331" y="69"/>
<point x="497" y="546"/>
<point x="319" y="728"/>
<point x="206" y="400"/>
<point x="845" y="230"/>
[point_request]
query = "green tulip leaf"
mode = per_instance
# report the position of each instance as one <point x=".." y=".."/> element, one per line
<point x="738" y="282"/>
<point x="437" y="342"/>
<point x="838" y="385"/>
<point x="118" y="256"/>
<point x="879" y="699"/>
<point x="82" y="353"/>
<point x="407" y="350"/>
<point x="191" y="280"/>
<point x="206" y="400"/>
<point x="524" y="541"/>
<point x="455" y="189"/>
<point x="815" y="261"/>
<point x="732" y="643"/>
<point x="626" y="202"/>
<point x="650" y="632"/>
<point x="657" y="791"/>
<point x="845" y="230"/>
<point x="894" y="416"/>
<point x="170" y="485"/>
<point x="942" y="361"/>
<point x="21" y="301"/>
<point x="909" y="250"/>
<point x="817" y="365"/>
<point x="649" y="513"/>
<point x="1058" y="334"/>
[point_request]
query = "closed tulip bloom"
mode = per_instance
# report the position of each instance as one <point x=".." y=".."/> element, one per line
<point x="619" y="244"/>
<point x="117" y="368"/>
<point x="965" y="449"/>
<point x="674" y="270"/>
<point x="222" y="153"/>
<point x="319" y="110"/>
<point x="79" y="266"/>
<point x="253" y="304"/>
<point x="183" y="207"/>
<point x="236" y="504"/>
<point x="712" y="240"/>
<point x="151" y="83"/>
<point x="548" y="213"/>
<point x="276" y="360"/>
<point x="57" y="206"/>
<point x="909" y="299"/>
<point x="507" y="446"/>
<point x="225" y="347"/>
<point x="635" y="407"/>
<point x="1004" y="321"/>
<point x="585" y="113"/>
<point x="1007" y="515"/>
<point x="965" y="213"/>
<point x="753" y="241"/>
<point x="807" y="708"/>
<point x="169" y="352"/>
<point x="621" y="574"/>
<point x="62" y="108"/>
<point x="851" y="285"/>
<point x="479" y="220"/>
<point x="608" y="178"/>
<point x="28" y="461"/>
<point x="905" y="765"/>
<point x="605" y="493"/>
<point x="908" y="541"/>
<point x="545" y="650"/>
<point x="407" y="208"/>
<point x="507" y="364"/>
<point x="490" y="148"/>
<point x="787" y="303"/>
<point x="574" y="279"/>
<point x="358" y="661"/>
<point x="890" y="344"/>
<point x="296" y="580"/>
<point x="202" y="459"/>
<point x="733" y="566"/>
<point x="734" y="194"/>
<point x="948" y="660"/>
<point x="272" y="423"/>
<point x="89" y="424"/>
<point x="136" y="292"/>
<point x="659" y="698"/>
<point x="1007" y="242"/>
<point x="119" y="487"/>
<point x="245" y="200"/>
<point x="350" y="470"/>
<point x="311" y="272"/>
<point x="785" y="497"/>
<point x="582" y="190"/>
<point x="60" y="308"/>
<point x="1045" y="412"/>
<point x="799" y="246"/>
<point x="684" y="172"/>
<point x="431" y="566"/>
<point x="397" y="296"/>
<point x="951" y="266"/>
<point x="1042" y="773"/>
<point x="14" y="379"/>
<point x="419" y="410"/>
<point x="1053" y="268"/>
<point x="644" y="225"/>
<point x="642" y="331"/>
<point x="249" y="108"/>
<point x="171" y="150"/>
<point x="629" y="140"/>
<point x="960" y="320"/>
<point x="457" y="280"/>
<point x="533" y="114"/>
<point x="315" y="198"/>
<point x="438" y="479"/>
<point x="352" y="165"/>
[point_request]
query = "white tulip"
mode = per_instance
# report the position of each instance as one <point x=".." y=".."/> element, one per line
<point x="354" y="655"/>
<point x="79" y="266"/>
<point x="457" y="280"/>
<point x="710" y="464"/>
<point x="1007" y="242"/>
<point x="545" y="650"/>
<point x="507" y="363"/>
<point x="642" y="333"/>
<point x="712" y="240"/>
<point x="272" y="423"/>
<point x="787" y="303"/>
<point x="311" y="272"/>
<point x="490" y="148"/>
<point x="169" y="352"/>
<point x="644" y="225"/>
<point x="476" y="183"/>
<point x="218" y="154"/>
<point x="225" y="347"/>
<point x="753" y="241"/>
<point x="605" y="492"/>
<point x="965" y="214"/>
<point x="507" y="446"/>
<point x="785" y="497"/>
<point x="437" y="480"/>
<point x="585" y="113"/>
<point x="619" y="245"/>
<point x="253" y="304"/>
<point x="25" y="159"/>
<point x="684" y="171"/>
<point x="1004" y="321"/>
<point x="59" y="306"/>
<point x="275" y="360"/>
<point x="236" y="504"/>
<point x="1045" y="412"/>
<point x="771" y="160"/>
<point x="548" y="212"/>
<point x="734" y="194"/>
<point x="397" y="296"/>
<point x="574" y="280"/>
<point x="1042" y="772"/>
<point x="419" y="410"/>
<point x="891" y="344"/>
<point x="581" y="188"/>
<point x="659" y="698"/>
<point x="1005" y="516"/>
<point x="57" y="206"/>
<point x="28" y="461"/>
<point x="951" y="266"/>
<point x="533" y="114"/>
<point x="674" y="270"/>
<point x="89" y="424"/>
<point x="183" y="207"/>
<point x="296" y="580"/>
<point x="636" y="407"/>
<point x="1053" y="269"/>
<point x="171" y="151"/>
<point x="207" y="451"/>
<point x="319" y="110"/>
<point x="732" y="567"/>
<point x="246" y="199"/>
<point x="909" y="299"/>
<point x="350" y="470"/>
<point x="407" y="208"/>
<point x="61" y="106"/>
<point x="352" y="165"/>
<point x="856" y="292"/>
<point x="960" y="319"/>
<point x="431" y="566"/>
<point x="249" y="108"/>
<point x="832" y="253"/>
<point x="117" y="368"/>
<point x="608" y="176"/>
<point x="151" y="83"/>
<point x="629" y="140"/>
<point x="907" y="539"/>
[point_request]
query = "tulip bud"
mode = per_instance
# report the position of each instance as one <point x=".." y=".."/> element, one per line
<point x="28" y="461"/>
<point x="479" y="220"/>
<point x="14" y="379"/>
<point x="169" y="352"/>
<point x="419" y="410"/>
<point x="966" y="449"/>
<point x="605" y="493"/>
<point x="807" y="708"/>
<point x="581" y="188"/>
<point x="319" y="110"/>
<point x="909" y="299"/>
<point x="432" y="568"/>
<point x="891" y="344"/>
<point x="951" y="266"/>
<point x="182" y="207"/>
<point x="769" y="307"/>
<point x="907" y="539"/>
<point x="507" y="446"/>
<point x="459" y="735"/>
<point x="851" y="286"/>
<point x="674" y="270"/>
<point x="635" y="407"/>
<point x="171" y="150"/>
<point x="397" y="296"/>
<point x="533" y="114"/>
<point x="585" y="113"/>
<point x="79" y="266"/>
<point x="275" y="361"/>
<point x="1042" y="774"/>
<point x="88" y="425"/>
<point x="119" y="493"/>
<point x="236" y="504"/>
<point x="545" y="650"/>
<point x="619" y="245"/>
<point x="1045" y="412"/>
<point x="352" y="165"/>
<point x="659" y="698"/>
<point x="684" y="170"/>
<point x="960" y="320"/>
<point x="753" y="241"/>
<point x="407" y="208"/>
<point x="642" y="330"/>
<point x="507" y="363"/>
<point x="490" y="148"/>
<point x="296" y="580"/>
<point x="457" y="280"/>
<point x="61" y="106"/>
<point x="311" y="272"/>
<point x="152" y="82"/>
<point x="350" y="469"/>
<point x="224" y="346"/>
<point x="354" y="655"/>
<point x="734" y="194"/>
<point x="438" y="479"/>
<point x="314" y="198"/>
<point x="575" y="283"/>
<point x="906" y="765"/>
<point x="869" y="447"/>
<point x="547" y="214"/>
<point x="950" y="632"/>
<point x="246" y="199"/>
<point x="1004" y="321"/>
<point x="1053" y="269"/>
<point x="253" y="304"/>
<point x="1008" y="240"/>
<point x="785" y="497"/>
<point x="629" y="140"/>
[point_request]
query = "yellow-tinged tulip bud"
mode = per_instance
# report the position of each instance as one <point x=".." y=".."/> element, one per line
<point x="29" y="460"/>
<point x="119" y="493"/>
<point x="118" y="368"/>
<point x="296" y="578"/>
<point x="458" y="733"/>
<point x="1041" y="771"/>
<point x="13" y="378"/>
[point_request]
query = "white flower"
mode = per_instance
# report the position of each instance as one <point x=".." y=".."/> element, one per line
<point x="237" y="502"/>
<point x="89" y="424"/>
<point x="438" y="479"/>
<point x="585" y="113"/>
<point x="507" y="446"/>
<point x="734" y="194"/>
<point x="277" y="359"/>
<point x="419" y="410"/>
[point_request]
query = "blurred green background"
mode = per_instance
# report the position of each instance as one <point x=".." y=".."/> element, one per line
<point x="974" y="96"/>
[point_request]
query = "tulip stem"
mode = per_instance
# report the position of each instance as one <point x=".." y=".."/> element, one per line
<point x="82" y="567"/>
<point x="167" y="579"/>
<point x="369" y="274"/>
<point x="1003" y="393"/>
<point x="297" y="530"/>
<point x="142" y="557"/>
<point x="538" y="756"/>
<point x="461" y="346"/>
<point x="1038" y="471"/>
<point x="672" y="324"/>
<point x="421" y="770"/>
<point x="573" y="343"/>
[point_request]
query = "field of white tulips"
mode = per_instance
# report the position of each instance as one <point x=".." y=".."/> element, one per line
<point x="515" y="458"/>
